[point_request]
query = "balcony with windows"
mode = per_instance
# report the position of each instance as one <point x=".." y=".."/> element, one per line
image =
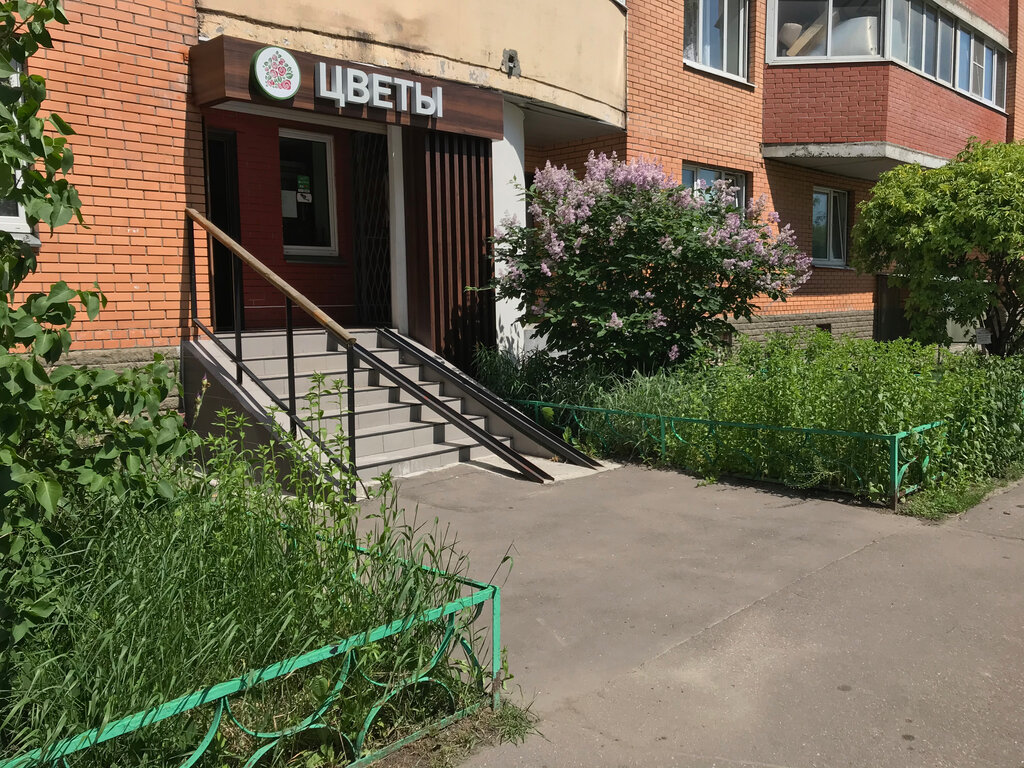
<point x="858" y="86"/>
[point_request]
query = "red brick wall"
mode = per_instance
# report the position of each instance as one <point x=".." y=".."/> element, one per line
<point x="829" y="288"/>
<point x="995" y="12"/>
<point x="929" y="117"/>
<point x="824" y="103"/>
<point x="574" y="153"/>
<point x="118" y="74"/>
<point x="678" y="114"/>
<point x="328" y="285"/>
<point x="1014" y="81"/>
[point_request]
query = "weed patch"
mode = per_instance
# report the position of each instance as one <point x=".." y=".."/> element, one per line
<point x="806" y="409"/>
<point x="243" y="566"/>
<point x="450" y="747"/>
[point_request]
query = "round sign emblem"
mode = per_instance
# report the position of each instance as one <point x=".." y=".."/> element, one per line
<point x="276" y="73"/>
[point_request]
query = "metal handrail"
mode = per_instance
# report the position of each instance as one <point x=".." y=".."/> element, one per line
<point x="335" y="330"/>
<point x="512" y="415"/>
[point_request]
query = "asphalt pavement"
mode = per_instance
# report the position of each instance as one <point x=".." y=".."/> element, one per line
<point x="652" y="620"/>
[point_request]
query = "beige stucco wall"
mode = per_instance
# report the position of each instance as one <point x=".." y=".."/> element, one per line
<point x="572" y="52"/>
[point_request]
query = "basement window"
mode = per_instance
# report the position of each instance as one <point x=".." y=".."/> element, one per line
<point x="308" y="208"/>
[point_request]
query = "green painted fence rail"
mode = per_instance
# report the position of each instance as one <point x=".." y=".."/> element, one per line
<point x="218" y="697"/>
<point x="880" y="466"/>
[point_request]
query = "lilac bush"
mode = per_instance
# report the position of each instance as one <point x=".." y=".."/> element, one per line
<point x="627" y="269"/>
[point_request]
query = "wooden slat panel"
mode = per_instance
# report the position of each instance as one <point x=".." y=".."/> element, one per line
<point x="454" y="220"/>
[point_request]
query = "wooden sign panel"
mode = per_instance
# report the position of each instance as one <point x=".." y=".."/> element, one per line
<point x="232" y="69"/>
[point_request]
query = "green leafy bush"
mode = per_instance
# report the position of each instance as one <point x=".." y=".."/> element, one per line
<point x="64" y="432"/>
<point x="537" y="375"/>
<point x="953" y="238"/>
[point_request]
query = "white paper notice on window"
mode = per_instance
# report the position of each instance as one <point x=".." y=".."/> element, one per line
<point x="289" y="205"/>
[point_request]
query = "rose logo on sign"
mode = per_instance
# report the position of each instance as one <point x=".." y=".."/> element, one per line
<point x="276" y="73"/>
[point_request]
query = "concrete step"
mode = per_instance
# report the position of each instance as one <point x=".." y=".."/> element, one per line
<point x="421" y="459"/>
<point x="272" y="343"/>
<point x="369" y="397"/>
<point x="313" y="362"/>
<point x="397" y="437"/>
<point x="390" y="413"/>
<point x="393" y="431"/>
<point x="364" y="378"/>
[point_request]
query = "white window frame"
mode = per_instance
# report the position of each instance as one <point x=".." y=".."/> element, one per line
<point x="772" y="47"/>
<point x="831" y="260"/>
<point x="18" y="225"/>
<point x="941" y="9"/>
<point x="316" y="250"/>
<point x="744" y="45"/>
<point x="725" y="173"/>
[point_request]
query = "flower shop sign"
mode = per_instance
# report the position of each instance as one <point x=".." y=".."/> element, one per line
<point x="349" y="85"/>
<point x="276" y="73"/>
<point x="227" y="69"/>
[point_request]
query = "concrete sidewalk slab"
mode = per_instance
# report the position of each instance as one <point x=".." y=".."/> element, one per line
<point x="656" y="621"/>
<point x="1001" y="514"/>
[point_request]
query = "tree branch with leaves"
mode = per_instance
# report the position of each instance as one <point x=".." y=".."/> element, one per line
<point x="65" y="432"/>
<point x="953" y="237"/>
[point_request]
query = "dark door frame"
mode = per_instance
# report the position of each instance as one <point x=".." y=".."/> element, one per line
<point x="223" y="209"/>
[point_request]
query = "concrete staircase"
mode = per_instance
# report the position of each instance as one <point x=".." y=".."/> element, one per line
<point x="392" y="430"/>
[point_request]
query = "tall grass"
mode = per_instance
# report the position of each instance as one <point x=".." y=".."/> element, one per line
<point x="244" y="566"/>
<point x="537" y="375"/>
<point x="805" y="380"/>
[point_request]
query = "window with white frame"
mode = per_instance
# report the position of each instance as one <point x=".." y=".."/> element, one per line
<point x="12" y="214"/>
<point x="828" y="227"/>
<point x="694" y="175"/>
<point x="919" y="34"/>
<point x="715" y="35"/>
<point x="938" y="45"/>
<point x="828" y="28"/>
<point x="308" y="210"/>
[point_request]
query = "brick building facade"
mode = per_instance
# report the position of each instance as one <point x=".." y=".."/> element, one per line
<point x="118" y="73"/>
<point x="778" y="103"/>
<point x="790" y="127"/>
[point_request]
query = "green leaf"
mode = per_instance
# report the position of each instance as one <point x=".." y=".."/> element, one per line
<point x="20" y="629"/>
<point x="165" y="489"/>
<point x="59" y="123"/>
<point x="48" y="494"/>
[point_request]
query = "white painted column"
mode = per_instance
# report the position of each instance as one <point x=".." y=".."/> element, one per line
<point x="396" y="191"/>
<point x="508" y="158"/>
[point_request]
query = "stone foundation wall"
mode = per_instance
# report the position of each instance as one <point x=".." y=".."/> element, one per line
<point x="859" y="323"/>
<point x="119" y="359"/>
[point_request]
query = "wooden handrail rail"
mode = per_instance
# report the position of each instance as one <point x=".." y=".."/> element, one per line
<point x="307" y="306"/>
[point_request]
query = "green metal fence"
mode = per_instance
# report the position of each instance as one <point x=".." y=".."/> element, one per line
<point x="883" y="467"/>
<point x="221" y="703"/>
